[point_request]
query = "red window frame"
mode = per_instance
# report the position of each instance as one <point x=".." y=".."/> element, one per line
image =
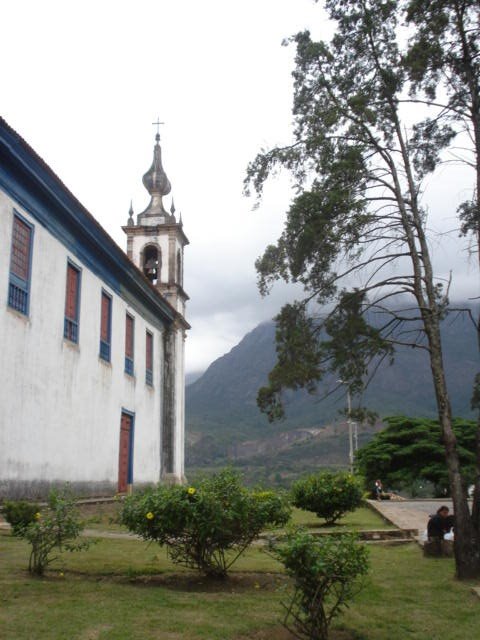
<point x="105" y="326"/>
<point x="20" y="264"/>
<point x="129" y="343"/>
<point x="149" y="358"/>
<point x="72" y="303"/>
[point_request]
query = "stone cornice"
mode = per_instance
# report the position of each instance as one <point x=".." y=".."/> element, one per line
<point x="157" y="229"/>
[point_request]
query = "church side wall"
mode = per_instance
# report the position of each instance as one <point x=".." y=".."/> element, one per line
<point x="61" y="404"/>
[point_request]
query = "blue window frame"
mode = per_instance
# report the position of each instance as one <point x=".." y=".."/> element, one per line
<point x="105" y="326"/>
<point x="129" y="343"/>
<point x="72" y="303"/>
<point x="20" y="264"/>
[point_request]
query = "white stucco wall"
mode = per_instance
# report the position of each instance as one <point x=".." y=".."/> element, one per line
<point x="61" y="404"/>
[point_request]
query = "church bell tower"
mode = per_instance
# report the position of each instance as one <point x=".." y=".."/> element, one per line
<point x="155" y="244"/>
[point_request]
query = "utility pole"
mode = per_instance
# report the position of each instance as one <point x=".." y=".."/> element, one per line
<point x="352" y="430"/>
<point x="355" y="436"/>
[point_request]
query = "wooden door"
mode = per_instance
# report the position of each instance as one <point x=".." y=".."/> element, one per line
<point x="125" y="453"/>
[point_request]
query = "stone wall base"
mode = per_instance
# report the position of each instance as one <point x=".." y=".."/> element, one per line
<point x="39" y="489"/>
<point x="173" y="478"/>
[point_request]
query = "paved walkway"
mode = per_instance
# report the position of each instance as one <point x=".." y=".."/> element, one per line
<point x="409" y="514"/>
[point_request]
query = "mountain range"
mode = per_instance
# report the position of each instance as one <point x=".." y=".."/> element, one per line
<point x="224" y="425"/>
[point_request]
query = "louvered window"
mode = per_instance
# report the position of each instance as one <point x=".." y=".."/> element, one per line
<point x="149" y="358"/>
<point x="129" y="344"/>
<point x="105" y="326"/>
<point x="72" y="303"/>
<point x="20" y="265"/>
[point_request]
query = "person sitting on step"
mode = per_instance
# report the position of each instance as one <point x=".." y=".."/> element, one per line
<point x="439" y="524"/>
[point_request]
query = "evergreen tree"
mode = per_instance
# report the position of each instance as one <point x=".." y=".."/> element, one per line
<point x="410" y="450"/>
<point x="356" y="234"/>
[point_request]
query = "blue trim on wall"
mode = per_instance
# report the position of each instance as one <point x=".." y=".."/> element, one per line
<point x="28" y="181"/>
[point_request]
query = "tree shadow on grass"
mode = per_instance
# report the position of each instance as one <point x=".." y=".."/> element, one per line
<point x="278" y="632"/>
<point x="192" y="582"/>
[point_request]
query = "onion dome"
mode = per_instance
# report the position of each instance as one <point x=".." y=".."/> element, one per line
<point x="158" y="185"/>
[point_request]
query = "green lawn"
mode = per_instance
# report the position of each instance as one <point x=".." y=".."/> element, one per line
<point x="124" y="589"/>
<point x="106" y="516"/>
<point x="363" y="519"/>
<point x="127" y="590"/>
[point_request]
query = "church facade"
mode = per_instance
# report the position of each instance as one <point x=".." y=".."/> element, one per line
<point x="92" y="338"/>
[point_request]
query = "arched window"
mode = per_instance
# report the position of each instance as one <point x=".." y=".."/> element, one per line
<point x="152" y="263"/>
<point x="179" y="268"/>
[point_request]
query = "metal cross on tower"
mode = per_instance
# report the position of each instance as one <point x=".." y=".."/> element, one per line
<point x="157" y="124"/>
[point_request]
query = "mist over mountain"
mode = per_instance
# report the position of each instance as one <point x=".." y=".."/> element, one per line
<point x="224" y="424"/>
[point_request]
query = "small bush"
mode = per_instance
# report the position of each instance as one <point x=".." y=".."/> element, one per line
<point x="329" y="495"/>
<point x="19" y="513"/>
<point x="326" y="574"/>
<point x="206" y="527"/>
<point x="55" y="527"/>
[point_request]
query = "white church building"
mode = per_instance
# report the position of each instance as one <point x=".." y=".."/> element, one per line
<point x="92" y="338"/>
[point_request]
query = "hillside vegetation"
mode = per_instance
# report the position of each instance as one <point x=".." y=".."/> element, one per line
<point x="224" y="424"/>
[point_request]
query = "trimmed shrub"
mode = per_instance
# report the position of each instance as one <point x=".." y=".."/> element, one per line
<point x="19" y="514"/>
<point x="329" y="495"/>
<point x="55" y="527"/>
<point x="206" y="527"/>
<point x="326" y="572"/>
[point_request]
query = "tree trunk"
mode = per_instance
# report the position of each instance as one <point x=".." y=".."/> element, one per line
<point x="470" y="77"/>
<point x="467" y="542"/>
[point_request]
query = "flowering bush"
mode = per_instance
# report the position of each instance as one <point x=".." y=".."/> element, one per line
<point x="206" y="527"/>
<point x="326" y="572"/>
<point x="329" y="495"/>
<point x="55" y="527"/>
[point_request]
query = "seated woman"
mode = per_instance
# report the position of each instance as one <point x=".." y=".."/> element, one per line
<point x="439" y="524"/>
<point x="378" y="492"/>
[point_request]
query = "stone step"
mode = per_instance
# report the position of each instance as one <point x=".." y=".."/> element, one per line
<point x="391" y="542"/>
<point x="394" y="536"/>
<point x="372" y="535"/>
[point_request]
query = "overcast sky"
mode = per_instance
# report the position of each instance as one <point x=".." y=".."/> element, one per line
<point x="83" y="81"/>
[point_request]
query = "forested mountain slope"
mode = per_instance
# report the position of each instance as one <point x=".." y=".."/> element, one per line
<point x="223" y="421"/>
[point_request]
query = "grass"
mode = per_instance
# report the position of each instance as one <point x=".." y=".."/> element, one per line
<point x="123" y="589"/>
<point x="408" y="596"/>
<point x="363" y="519"/>
<point x="127" y="590"/>
<point x="106" y="517"/>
